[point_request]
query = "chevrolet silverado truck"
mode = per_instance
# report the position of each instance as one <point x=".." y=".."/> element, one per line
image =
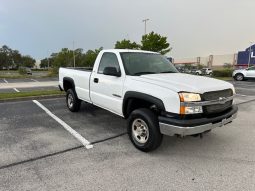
<point x="147" y="90"/>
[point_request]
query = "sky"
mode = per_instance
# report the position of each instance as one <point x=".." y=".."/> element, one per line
<point x="192" y="27"/>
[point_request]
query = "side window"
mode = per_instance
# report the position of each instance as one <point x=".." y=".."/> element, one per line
<point x="252" y="68"/>
<point x="108" y="60"/>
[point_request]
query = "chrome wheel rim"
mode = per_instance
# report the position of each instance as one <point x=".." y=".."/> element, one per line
<point x="239" y="77"/>
<point x="140" y="131"/>
<point x="70" y="101"/>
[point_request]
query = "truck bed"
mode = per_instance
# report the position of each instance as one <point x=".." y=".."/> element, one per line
<point x="81" y="78"/>
<point x="89" y="69"/>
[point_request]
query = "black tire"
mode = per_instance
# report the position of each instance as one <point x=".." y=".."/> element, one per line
<point x="72" y="101"/>
<point x="154" y="137"/>
<point x="197" y="73"/>
<point x="239" y="77"/>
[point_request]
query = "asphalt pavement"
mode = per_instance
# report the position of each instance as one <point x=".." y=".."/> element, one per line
<point x="22" y="80"/>
<point x="28" y="84"/>
<point x="38" y="152"/>
<point x="12" y="90"/>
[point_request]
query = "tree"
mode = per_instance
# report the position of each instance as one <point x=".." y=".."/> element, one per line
<point x="91" y="56"/>
<point x="44" y="63"/>
<point x="156" y="43"/>
<point x="12" y="59"/>
<point x="126" y="44"/>
<point x="62" y="59"/>
<point x="227" y="65"/>
<point x="6" y="59"/>
<point x="79" y="57"/>
<point x="28" y="61"/>
<point x="17" y="58"/>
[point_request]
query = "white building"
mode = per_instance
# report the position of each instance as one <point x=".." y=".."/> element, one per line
<point x="211" y="61"/>
<point x="37" y="64"/>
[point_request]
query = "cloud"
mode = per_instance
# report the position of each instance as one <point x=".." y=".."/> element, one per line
<point x="193" y="28"/>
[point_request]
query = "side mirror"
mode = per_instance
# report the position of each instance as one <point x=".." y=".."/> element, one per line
<point x="111" y="71"/>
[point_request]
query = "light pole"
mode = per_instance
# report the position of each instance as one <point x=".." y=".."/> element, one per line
<point x="48" y="60"/>
<point x="73" y="56"/>
<point x="249" y="55"/>
<point x="48" y="63"/>
<point x="145" y="22"/>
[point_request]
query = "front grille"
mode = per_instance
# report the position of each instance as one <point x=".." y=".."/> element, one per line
<point x="215" y="95"/>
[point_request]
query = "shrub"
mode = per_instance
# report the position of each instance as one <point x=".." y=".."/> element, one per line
<point x="52" y="72"/>
<point x="22" y="71"/>
<point x="223" y="73"/>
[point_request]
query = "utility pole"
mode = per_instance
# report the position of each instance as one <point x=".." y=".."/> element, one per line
<point x="48" y="60"/>
<point x="249" y="55"/>
<point x="48" y="63"/>
<point x="145" y="22"/>
<point x="73" y="56"/>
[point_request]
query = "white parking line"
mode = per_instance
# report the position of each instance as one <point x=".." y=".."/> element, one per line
<point x="15" y="89"/>
<point x="5" y="81"/>
<point x="34" y="80"/>
<point x="84" y="141"/>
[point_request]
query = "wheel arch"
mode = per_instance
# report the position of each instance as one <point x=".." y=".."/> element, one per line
<point x="68" y="83"/>
<point x="134" y="100"/>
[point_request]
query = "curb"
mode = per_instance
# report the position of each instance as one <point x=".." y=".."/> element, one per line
<point x="32" y="97"/>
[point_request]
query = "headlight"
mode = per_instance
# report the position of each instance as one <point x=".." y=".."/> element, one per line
<point x="190" y="97"/>
<point x="191" y="110"/>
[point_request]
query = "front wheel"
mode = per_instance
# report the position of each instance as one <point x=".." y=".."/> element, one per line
<point x="143" y="130"/>
<point x="239" y="77"/>
<point x="72" y="101"/>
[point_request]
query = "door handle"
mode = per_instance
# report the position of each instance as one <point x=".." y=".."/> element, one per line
<point x="96" y="80"/>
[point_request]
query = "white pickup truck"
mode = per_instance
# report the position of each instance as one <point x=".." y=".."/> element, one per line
<point x="145" y="88"/>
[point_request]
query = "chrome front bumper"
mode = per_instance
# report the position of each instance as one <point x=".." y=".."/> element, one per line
<point x="171" y="130"/>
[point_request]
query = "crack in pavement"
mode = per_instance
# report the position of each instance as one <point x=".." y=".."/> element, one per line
<point x="57" y="153"/>
<point x="246" y="102"/>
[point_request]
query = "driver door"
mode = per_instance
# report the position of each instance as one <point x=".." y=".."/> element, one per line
<point x="106" y="90"/>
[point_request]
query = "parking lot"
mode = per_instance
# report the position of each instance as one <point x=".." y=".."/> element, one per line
<point x="27" y="80"/>
<point x="39" y="151"/>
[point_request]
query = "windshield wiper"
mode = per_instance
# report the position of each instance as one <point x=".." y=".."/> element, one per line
<point x="167" y="72"/>
<point x="141" y="73"/>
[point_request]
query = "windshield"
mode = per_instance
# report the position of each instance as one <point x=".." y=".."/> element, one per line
<point x="138" y="63"/>
<point x="251" y="68"/>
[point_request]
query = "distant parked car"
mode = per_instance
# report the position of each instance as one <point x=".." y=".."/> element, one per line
<point x="25" y="70"/>
<point x="204" y="71"/>
<point x="243" y="74"/>
<point x="29" y="71"/>
<point x="197" y="72"/>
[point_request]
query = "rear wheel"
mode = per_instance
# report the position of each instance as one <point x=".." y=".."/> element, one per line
<point x="72" y="101"/>
<point x="143" y="130"/>
<point x="239" y="77"/>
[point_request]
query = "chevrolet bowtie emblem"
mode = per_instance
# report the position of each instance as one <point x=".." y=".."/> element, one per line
<point x="222" y="99"/>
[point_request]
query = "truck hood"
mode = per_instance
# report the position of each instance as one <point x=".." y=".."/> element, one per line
<point x="185" y="82"/>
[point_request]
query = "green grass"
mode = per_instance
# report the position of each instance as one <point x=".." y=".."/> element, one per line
<point x="13" y="76"/>
<point x="4" y="96"/>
